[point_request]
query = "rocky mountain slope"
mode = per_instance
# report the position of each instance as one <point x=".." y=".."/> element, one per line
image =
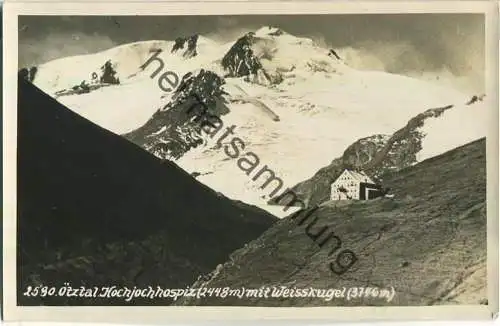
<point x="427" y="134"/>
<point x="171" y="132"/>
<point x="187" y="44"/>
<point x="94" y="209"/>
<point x="428" y="243"/>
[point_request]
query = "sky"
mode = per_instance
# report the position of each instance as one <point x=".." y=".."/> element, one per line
<point x="449" y="47"/>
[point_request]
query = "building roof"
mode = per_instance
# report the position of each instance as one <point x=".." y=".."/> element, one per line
<point x="358" y="176"/>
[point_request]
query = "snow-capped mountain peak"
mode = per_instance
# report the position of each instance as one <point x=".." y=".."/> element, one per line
<point x="293" y="103"/>
<point x="269" y="31"/>
<point x="192" y="45"/>
<point x="270" y="55"/>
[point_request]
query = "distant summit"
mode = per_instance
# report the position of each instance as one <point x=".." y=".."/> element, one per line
<point x="245" y="57"/>
<point x="269" y="30"/>
<point x="240" y="59"/>
<point x="188" y="44"/>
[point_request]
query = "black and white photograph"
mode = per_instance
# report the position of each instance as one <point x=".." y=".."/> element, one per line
<point x="252" y="160"/>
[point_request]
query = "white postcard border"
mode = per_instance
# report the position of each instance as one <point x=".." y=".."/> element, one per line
<point x="142" y="315"/>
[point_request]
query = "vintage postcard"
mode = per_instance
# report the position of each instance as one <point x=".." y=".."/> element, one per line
<point x="241" y="160"/>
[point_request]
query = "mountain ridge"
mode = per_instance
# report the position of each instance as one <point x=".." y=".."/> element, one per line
<point x="95" y="209"/>
<point x="428" y="244"/>
<point x="376" y="155"/>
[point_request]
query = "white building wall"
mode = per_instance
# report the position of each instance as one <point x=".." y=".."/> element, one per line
<point x="346" y="181"/>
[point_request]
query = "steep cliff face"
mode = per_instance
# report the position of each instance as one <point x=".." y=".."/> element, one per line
<point x="245" y="58"/>
<point x="240" y="60"/>
<point x="426" y="246"/>
<point x="96" y="210"/>
<point x="186" y="45"/>
<point x="108" y="74"/>
<point x="173" y="130"/>
<point x="28" y="73"/>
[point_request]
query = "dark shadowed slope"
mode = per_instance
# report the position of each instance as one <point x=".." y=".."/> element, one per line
<point x="94" y="208"/>
<point x="428" y="242"/>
